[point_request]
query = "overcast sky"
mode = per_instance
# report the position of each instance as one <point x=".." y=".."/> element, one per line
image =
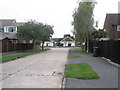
<point x="54" y="12"/>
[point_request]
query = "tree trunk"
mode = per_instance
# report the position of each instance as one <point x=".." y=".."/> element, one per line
<point x="82" y="47"/>
<point x="87" y="45"/>
<point x="42" y="44"/>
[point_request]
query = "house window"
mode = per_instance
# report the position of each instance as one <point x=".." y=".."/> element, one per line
<point x="10" y="29"/>
<point x="118" y="27"/>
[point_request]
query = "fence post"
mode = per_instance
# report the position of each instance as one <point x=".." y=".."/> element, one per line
<point x="20" y="47"/>
<point x="101" y="48"/>
<point x="7" y="47"/>
<point x="14" y="46"/>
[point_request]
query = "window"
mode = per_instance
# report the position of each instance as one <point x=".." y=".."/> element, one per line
<point x="10" y="29"/>
<point x="118" y="27"/>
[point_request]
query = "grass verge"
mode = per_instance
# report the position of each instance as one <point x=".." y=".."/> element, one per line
<point x="81" y="71"/>
<point x="79" y="50"/>
<point x="74" y="55"/>
<point x="12" y="57"/>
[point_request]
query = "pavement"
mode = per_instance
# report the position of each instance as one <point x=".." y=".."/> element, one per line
<point x="108" y="73"/>
<point x="41" y="70"/>
<point x="20" y="52"/>
<point x="15" y="53"/>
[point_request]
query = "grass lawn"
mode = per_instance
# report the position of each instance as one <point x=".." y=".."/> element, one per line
<point x="79" y="50"/>
<point x="73" y="55"/>
<point x="12" y="57"/>
<point x="81" y="71"/>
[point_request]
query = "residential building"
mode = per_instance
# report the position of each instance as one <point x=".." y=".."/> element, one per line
<point x="67" y="41"/>
<point x="50" y="43"/>
<point x="8" y="28"/>
<point x="112" y="26"/>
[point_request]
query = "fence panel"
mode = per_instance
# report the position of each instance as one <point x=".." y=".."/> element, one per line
<point x="108" y="49"/>
<point x="9" y="47"/>
<point x="115" y="51"/>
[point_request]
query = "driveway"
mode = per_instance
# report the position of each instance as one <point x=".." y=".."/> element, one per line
<point x="42" y="70"/>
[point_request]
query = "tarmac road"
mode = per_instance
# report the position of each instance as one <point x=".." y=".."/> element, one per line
<point x="42" y="70"/>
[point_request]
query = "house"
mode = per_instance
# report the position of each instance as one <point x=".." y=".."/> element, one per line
<point x="8" y="28"/>
<point x="67" y="41"/>
<point x="50" y="43"/>
<point x="8" y="39"/>
<point x="112" y="26"/>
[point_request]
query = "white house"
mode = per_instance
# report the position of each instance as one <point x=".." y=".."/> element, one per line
<point x="67" y="41"/>
<point x="49" y="43"/>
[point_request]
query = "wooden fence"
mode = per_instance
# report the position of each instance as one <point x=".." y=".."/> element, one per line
<point x="108" y="49"/>
<point x="9" y="47"/>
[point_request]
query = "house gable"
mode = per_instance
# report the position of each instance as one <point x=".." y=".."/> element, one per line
<point x="67" y="39"/>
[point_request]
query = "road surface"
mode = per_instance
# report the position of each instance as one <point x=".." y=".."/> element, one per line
<point x="42" y="70"/>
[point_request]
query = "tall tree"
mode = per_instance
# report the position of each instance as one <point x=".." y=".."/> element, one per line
<point x="83" y="21"/>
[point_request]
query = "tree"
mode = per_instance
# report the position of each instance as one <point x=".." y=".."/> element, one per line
<point x="30" y="31"/>
<point x="47" y="32"/>
<point x="97" y="34"/>
<point x="83" y="21"/>
<point x="67" y="35"/>
<point x="35" y="31"/>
